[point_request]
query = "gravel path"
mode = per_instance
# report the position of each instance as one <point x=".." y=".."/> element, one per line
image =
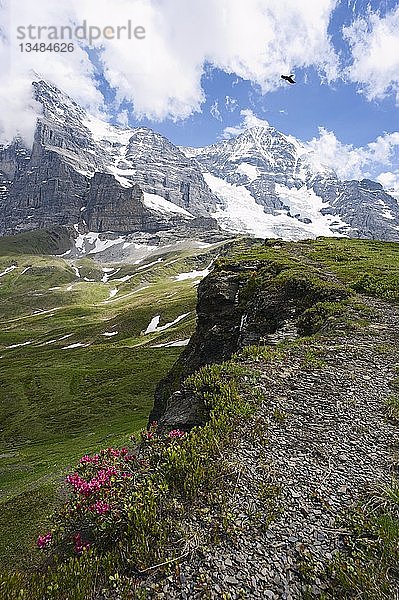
<point x="319" y="440"/>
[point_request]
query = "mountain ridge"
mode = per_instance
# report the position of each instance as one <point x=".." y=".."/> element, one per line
<point x="279" y="172"/>
<point x="261" y="183"/>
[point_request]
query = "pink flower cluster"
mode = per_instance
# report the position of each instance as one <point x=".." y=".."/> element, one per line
<point x="113" y="452"/>
<point x="86" y="459"/>
<point x="44" y="540"/>
<point x="86" y="488"/>
<point x="100" y="507"/>
<point x="176" y="434"/>
<point x="129" y="457"/>
<point x="80" y="544"/>
<point x="116" y="453"/>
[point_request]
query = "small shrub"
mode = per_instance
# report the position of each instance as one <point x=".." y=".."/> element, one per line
<point x="315" y="318"/>
<point x="392" y="407"/>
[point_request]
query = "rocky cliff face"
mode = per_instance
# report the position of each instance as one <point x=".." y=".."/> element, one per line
<point x="239" y="304"/>
<point x="111" y="207"/>
<point x="371" y="212"/>
<point x="159" y="167"/>
<point x="58" y="182"/>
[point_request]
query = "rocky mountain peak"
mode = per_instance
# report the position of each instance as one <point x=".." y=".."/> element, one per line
<point x="262" y="182"/>
<point x="56" y="104"/>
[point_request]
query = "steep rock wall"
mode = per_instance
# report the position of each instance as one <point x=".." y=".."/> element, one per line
<point x="240" y="304"/>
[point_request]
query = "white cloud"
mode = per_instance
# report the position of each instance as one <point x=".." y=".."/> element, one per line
<point x="215" y="112"/>
<point x="349" y="162"/>
<point x="161" y="75"/>
<point x="230" y="103"/>
<point x="123" y="118"/>
<point x="71" y="71"/>
<point x="389" y="180"/>
<point x="249" y="119"/>
<point x="374" y="43"/>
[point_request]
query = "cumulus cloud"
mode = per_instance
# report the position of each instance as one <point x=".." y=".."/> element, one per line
<point x="389" y="180"/>
<point x="249" y="119"/>
<point x="374" y="43"/>
<point x="73" y="72"/>
<point x="349" y="162"/>
<point x="161" y="74"/>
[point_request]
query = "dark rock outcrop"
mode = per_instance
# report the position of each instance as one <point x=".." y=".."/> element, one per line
<point x="239" y="304"/>
<point x="112" y="207"/>
<point x="215" y="339"/>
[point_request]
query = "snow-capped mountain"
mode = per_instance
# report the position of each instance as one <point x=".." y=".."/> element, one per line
<point x="107" y="178"/>
<point x="270" y="185"/>
<point x="82" y="170"/>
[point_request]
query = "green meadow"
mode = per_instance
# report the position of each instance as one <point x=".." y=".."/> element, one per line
<point x="77" y="371"/>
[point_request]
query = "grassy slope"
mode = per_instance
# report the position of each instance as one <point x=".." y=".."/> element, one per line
<point x="57" y="404"/>
<point x="186" y="477"/>
<point x="91" y="397"/>
<point x="371" y="267"/>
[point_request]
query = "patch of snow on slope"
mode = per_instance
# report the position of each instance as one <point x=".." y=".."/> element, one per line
<point x="90" y="243"/>
<point x="386" y="213"/>
<point x="113" y="292"/>
<point x="304" y="203"/>
<point x="193" y="274"/>
<point x="159" y="204"/>
<point x="78" y="345"/>
<point x="49" y="312"/>
<point x="153" y="326"/>
<point x="110" y="333"/>
<point x="151" y="264"/>
<point x="249" y="170"/>
<point x="109" y="273"/>
<point x="8" y="270"/>
<point x="64" y="337"/>
<point x="19" y="345"/>
<point x="176" y="344"/>
<point x="102" y="131"/>
<point x="119" y="178"/>
<point x="139" y="289"/>
<point x="240" y="213"/>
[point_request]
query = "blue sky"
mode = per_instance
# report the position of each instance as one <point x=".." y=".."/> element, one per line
<point x="298" y="110"/>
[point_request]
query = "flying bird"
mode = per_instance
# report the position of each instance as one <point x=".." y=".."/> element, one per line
<point x="288" y="78"/>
